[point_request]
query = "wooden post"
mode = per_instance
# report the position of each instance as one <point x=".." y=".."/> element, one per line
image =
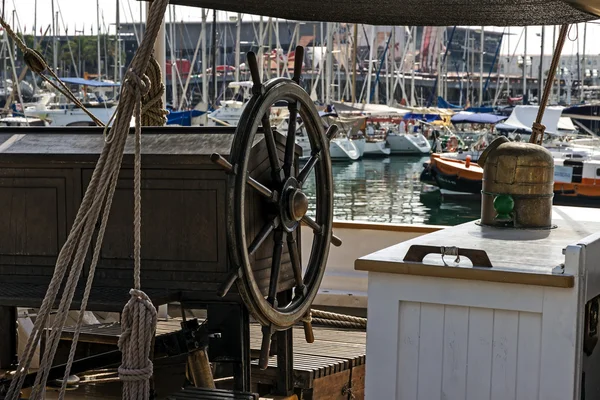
<point x="8" y="336"/>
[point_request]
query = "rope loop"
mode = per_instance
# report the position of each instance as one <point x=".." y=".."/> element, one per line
<point x="136" y="374"/>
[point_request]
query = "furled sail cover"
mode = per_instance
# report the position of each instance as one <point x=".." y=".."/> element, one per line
<point x="415" y="12"/>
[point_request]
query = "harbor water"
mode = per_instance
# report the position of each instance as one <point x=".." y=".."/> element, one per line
<point x="388" y="190"/>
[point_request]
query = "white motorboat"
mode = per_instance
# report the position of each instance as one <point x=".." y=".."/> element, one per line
<point x="71" y="115"/>
<point x="377" y="148"/>
<point x="408" y="143"/>
<point x="343" y="149"/>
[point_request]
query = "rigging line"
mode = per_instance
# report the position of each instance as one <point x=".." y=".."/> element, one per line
<point x="135" y="32"/>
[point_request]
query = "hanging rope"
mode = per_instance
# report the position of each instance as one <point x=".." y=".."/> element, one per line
<point x="537" y="131"/>
<point x="95" y="206"/>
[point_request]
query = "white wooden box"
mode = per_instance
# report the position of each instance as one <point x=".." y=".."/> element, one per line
<point x="513" y="331"/>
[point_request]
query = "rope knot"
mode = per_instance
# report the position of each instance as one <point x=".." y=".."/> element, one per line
<point x="135" y="81"/>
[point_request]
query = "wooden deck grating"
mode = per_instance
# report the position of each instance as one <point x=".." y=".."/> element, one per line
<point x="333" y="351"/>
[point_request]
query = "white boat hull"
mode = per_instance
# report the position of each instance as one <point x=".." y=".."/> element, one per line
<point x="377" y="149"/>
<point x="360" y="146"/>
<point x="343" y="150"/>
<point x="409" y="144"/>
<point x="71" y="116"/>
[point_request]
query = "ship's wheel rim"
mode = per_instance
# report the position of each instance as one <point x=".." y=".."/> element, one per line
<point x="280" y="89"/>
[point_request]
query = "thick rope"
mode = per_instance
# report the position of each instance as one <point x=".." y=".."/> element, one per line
<point x="153" y="112"/>
<point x="337" y="320"/>
<point x="96" y="204"/>
<point x="35" y="61"/>
<point x="537" y="134"/>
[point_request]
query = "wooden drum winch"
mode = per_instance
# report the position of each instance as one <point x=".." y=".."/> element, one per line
<point x="518" y="178"/>
<point x="518" y="181"/>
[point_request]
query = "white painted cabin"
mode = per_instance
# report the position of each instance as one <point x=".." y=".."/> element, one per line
<point x="513" y="331"/>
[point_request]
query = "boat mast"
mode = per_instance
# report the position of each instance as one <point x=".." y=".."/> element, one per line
<point x="583" y="62"/>
<point x="413" y="50"/>
<point x="160" y="51"/>
<point x="204" y="59"/>
<point x="370" y="71"/>
<point x="117" y="49"/>
<point x="174" y="99"/>
<point x="238" y="34"/>
<point x="54" y="49"/>
<point x="354" y="51"/>
<point x="214" y="58"/>
<point x="541" y="69"/>
<point x="507" y="64"/>
<point x="97" y="38"/>
<point x="390" y="94"/>
<point x="329" y="63"/>
<point x="525" y="97"/>
<point x="481" y="39"/>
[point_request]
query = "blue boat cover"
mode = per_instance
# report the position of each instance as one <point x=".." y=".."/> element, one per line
<point x="471" y="118"/>
<point x="87" y="82"/>
<point x="422" y="117"/>
<point x="182" y="118"/>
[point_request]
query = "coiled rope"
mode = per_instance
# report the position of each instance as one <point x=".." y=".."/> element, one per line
<point x="139" y="315"/>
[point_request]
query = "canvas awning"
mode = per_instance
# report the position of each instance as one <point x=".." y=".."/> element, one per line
<point x="415" y="12"/>
<point x="523" y="117"/>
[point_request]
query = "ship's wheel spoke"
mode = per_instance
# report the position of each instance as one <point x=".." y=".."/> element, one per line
<point x="271" y="148"/>
<point x="259" y="187"/>
<point x="307" y="169"/>
<point x="290" y="144"/>
<point x="275" y="267"/>
<point x="263" y="234"/>
<point x="292" y="245"/>
<point x="318" y="230"/>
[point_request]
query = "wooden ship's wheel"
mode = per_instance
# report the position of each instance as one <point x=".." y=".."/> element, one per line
<point x="285" y="203"/>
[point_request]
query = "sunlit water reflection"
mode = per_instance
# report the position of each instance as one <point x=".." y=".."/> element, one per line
<point x="389" y="190"/>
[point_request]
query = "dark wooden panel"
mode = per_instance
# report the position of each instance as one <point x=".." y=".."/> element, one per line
<point x="183" y="226"/>
<point x="29" y="215"/>
<point x="37" y="209"/>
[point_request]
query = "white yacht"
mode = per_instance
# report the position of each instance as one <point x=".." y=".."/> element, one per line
<point x="408" y="143"/>
<point x="377" y="148"/>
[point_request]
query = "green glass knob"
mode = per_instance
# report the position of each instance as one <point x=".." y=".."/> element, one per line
<point x="504" y="205"/>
